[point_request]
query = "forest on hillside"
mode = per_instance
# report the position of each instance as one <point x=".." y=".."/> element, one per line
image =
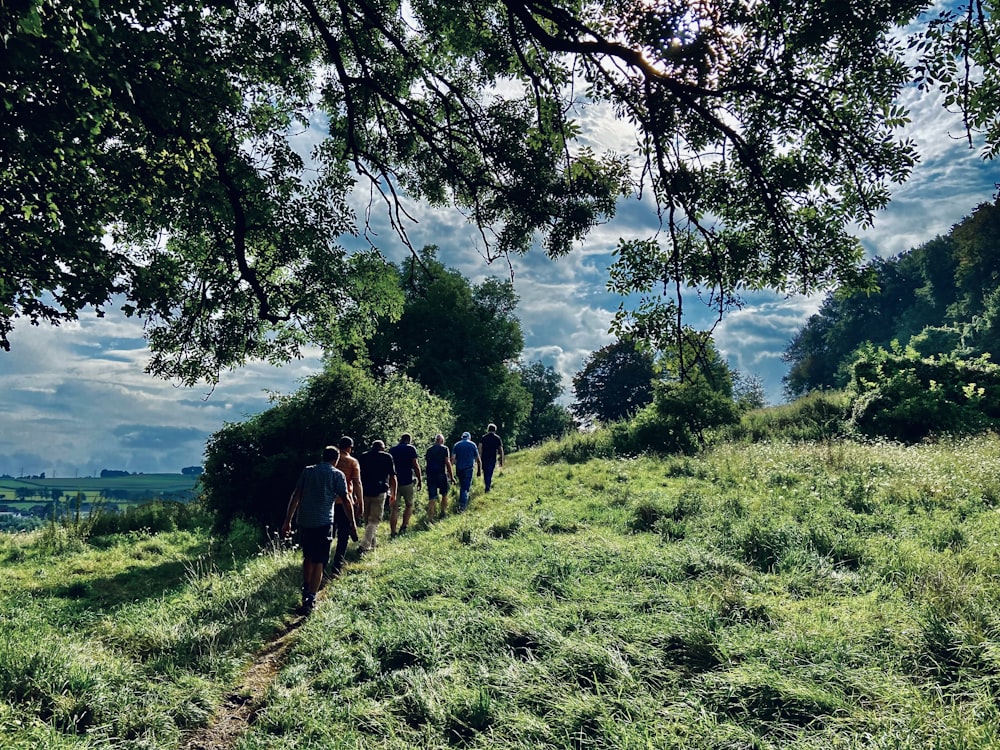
<point x="941" y="298"/>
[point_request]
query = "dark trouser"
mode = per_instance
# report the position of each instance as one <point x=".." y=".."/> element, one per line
<point x="488" y="467"/>
<point x="342" y="526"/>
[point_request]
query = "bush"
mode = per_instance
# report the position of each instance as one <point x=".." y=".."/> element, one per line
<point x="903" y="396"/>
<point x="820" y="415"/>
<point x="251" y="467"/>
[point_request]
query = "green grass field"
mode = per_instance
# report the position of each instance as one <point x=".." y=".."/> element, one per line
<point x="139" y="486"/>
<point x="830" y="595"/>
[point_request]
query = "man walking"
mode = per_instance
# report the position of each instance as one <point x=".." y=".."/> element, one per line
<point x="404" y="456"/>
<point x="466" y="458"/>
<point x="490" y="449"/>
<point x="320" y="498"/>
<point x="352" y="472"/>
<point x="378" y="476"/>
<point x="439" y="474"/>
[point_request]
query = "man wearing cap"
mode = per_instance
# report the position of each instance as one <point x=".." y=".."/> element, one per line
<point x="466" y="459"/>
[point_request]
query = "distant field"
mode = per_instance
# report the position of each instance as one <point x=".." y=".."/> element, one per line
<point x="133" y="488"/>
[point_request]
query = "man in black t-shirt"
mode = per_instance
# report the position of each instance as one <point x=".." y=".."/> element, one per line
<point x="404" y="456"/>
<point x="378" y="477"/>
<point x="490" y="449"/>
<point x="438" y="475"/>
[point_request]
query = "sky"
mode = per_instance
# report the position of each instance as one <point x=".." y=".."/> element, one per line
<point x="75" y="399"/>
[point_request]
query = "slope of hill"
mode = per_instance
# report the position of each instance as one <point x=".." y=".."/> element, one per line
<point x="764" y="596"/>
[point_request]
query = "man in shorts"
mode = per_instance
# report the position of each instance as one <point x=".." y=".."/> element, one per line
<point x="404" y="457"/>
<point x="378" y="475"/>
<point x="466" y="459"/>
<point x="490" y="449"/>
<point x="320" y="498"/>
<point x="439" y="474"/>
<point x="348" y="464"/>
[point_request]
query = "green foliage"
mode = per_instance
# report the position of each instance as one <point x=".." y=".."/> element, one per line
<point x="615" y="382"/>
<point x="943" y="298"/>
<point x="251" y="467"/>
<point x="447" y="323"/>
<point x="547" y="419"/>
<point x="129" y="122"/>
<point x="820" y="415"/>
<point x="903" y="396"/>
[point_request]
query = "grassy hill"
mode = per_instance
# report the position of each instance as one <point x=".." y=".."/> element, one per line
<point x="828" y="595"/>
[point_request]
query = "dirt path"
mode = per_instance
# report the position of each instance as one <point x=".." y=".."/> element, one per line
<point x="237" y="711"/>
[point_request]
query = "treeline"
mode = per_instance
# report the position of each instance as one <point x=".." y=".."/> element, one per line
<point x="915" y="348"/>
<point x="942" y="298"/>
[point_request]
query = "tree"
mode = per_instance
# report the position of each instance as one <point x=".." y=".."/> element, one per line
<point x="943" y="285"/>
<point x="459" y="340"/>
<point x="547" y="418"/>
<point x="614" y="383"/>
<point x="144" y="157"/>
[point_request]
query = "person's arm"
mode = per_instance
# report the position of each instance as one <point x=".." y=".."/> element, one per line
<point x="293" y="505"/>
<point x="359" y="490"/>
<point x="416" y="471"/>
<point x="479" y="463"/>
<point x="500" y="453"/>
<point x="392" y="488"/>
<point x="449" y="468"/>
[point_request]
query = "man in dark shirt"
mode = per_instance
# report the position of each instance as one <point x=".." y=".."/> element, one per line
<point x="378" y="477"/>
<point x="404" y="456"/>
<point x="439" y="474"/>
<point x="490" y="449"/>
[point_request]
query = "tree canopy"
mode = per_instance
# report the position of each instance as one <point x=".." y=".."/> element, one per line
<point x="457" y="339"/>
<point x="614" y="383"/>
<point x="942" y="297"/>
<point x="145" y="160"/>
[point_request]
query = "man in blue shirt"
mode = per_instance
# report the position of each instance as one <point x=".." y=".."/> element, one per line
<point x="320" y="498"/>
<point x="404" y="456"/>
<point x="466" y="458"/>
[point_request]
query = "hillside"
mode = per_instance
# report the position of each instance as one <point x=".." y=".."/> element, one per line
<point x="783" y="596"/>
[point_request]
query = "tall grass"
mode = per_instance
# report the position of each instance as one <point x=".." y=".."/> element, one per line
<point x="783" y="595"/>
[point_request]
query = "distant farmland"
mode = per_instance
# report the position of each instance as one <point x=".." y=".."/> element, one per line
<point x="20" y="494"/>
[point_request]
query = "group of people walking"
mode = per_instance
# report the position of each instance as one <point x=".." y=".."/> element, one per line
<point x="342" y="492"/>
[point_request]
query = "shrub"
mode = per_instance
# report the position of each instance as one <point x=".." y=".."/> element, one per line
<point x="903" y="396"/>
<point x="251" y="467"/>
<point x="820" y="415"/>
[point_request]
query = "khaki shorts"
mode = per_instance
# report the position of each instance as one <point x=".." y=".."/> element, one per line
<point x="405" y="491"/>
<point x="374" y="507"/>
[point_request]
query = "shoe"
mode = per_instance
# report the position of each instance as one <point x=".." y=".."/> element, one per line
<point x="402" y="531"/>
<point x="306" y="607"/>
<point x="393" y="534"/>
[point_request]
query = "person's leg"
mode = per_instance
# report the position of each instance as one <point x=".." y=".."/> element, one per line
<point x="406" y="494"/>
<point x="344" y="524"/>
<point x="464" y="486"/>
<point x="373" y="515"/>
<point x="432" y="492"/>
<point x="488" y="474"/>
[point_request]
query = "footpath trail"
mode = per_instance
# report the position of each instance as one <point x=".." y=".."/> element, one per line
<point x="239" y="708"/>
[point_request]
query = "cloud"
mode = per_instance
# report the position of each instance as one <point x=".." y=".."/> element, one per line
<point x="76" y="398"/>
